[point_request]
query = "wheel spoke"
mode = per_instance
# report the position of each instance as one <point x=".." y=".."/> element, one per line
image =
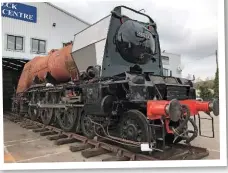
<point x="86" y="126"/>
<point x="46" y="116"/>
<point x="33" y="113"/>
<point x="132" y="125"/>
<point x="66" y="119"/>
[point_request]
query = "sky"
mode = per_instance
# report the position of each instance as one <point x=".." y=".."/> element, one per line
<point x="185" y="27"/>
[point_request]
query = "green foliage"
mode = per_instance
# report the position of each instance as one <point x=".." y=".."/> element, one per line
<point x="216" y="84"/>
<point x="208" y="83"/>
<point x="205" y="93"/>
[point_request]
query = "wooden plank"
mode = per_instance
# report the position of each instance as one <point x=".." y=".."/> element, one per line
<point x="65" y="141"/>
<point x="47" y="133"/>
<point x="79" y="147"/>
<point x="32" y="127"/>
<point x="94" y="152"/>
<point x="40" y="130"/>
<point x="56" y="137"/>
<point x="25" y="125"/>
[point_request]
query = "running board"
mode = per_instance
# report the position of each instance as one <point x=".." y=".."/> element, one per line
<point x="56" y="105"/>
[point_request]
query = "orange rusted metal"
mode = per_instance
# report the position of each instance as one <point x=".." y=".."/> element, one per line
<point x="59" y="63"/>
<point x="23" y="81"/>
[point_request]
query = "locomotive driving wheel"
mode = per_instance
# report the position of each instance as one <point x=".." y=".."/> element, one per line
<point x="47" y="115"/>
<point x="33" y="113"/>
<point x="87" y="126"/>
<point x="133" y="126"/>
<point x="66" y="119"/>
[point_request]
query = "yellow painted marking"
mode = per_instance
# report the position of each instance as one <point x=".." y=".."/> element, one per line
<point x="8" y="158"/>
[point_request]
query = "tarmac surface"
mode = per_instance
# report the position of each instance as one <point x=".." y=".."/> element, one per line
<point x="22" y="145"/>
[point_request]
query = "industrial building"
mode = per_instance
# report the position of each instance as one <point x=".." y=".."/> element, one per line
<point x="172" y="64"/>
<point x="29" y="30"/>
<point x="34" y="29"/>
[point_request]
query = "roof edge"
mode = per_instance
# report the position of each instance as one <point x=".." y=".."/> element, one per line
<point x="16" y="58"/>
<point x="69" y="14"/>
<point x="162" y="53"/>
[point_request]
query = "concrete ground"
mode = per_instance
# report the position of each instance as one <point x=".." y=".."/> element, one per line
<point x="23" y="145"/>
<point x="212" y="144"/>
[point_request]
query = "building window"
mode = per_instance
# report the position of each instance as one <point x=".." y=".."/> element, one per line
<point x="165" y="60"/>
<point x="15" y="42"/>
<point x="67" y="43"/>
<point x="64" y="44"/>
<point x="165" y="72"/>
<point x="38" y="46"/>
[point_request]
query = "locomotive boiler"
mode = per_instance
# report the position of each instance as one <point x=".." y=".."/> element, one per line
<point x="109" y="83"/>
<point x="57" y="66"/>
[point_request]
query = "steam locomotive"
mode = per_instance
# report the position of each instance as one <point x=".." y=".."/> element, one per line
<point x="109" y="83"/>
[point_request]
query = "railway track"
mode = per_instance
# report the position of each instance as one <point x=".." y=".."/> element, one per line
<point x="95" y="147"/>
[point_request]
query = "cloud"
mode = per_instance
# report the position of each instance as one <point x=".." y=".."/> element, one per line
<point x="188" y="28"/>
<point x="202" y="68"/>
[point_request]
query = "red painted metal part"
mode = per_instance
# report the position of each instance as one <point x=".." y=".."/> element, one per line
<point x="196" y="106"/>
<point x="156" y="108"/>
<point x="168" y="130"/>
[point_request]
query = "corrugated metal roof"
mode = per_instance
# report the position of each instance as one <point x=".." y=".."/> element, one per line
<point x="64" y="11"/>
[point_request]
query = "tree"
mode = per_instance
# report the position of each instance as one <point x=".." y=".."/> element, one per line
<point x="205" y="93"/>
<point x="198" y="79"/>
<point x="216" y="84"/>
<point x="216" y="80"/>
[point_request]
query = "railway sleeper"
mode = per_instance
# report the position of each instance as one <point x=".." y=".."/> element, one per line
<point x="29" y="125"/>
<point x="46" y="133"/>
<point x="79" y="147"/>
<point x="56" y="137"/>
<point x="16" y="121"/>
<point x="26" y="125"/>
<point x="65" y="141"/>
<point x="32" y="127"/>
<point x="42" y="129"/>
<point x="94" y="152"/>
